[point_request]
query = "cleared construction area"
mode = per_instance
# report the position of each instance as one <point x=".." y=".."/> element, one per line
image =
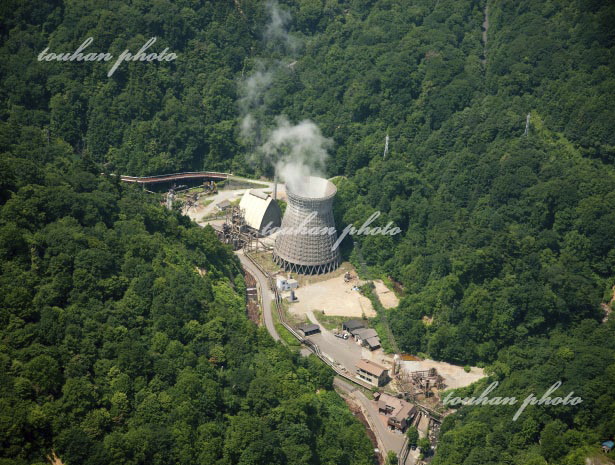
<point x="387" y="297"/>
<point x="454" y="376"/>
<point x="335" y="296"/>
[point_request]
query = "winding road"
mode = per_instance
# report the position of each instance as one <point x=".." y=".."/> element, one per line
<point x="265" y="292"/>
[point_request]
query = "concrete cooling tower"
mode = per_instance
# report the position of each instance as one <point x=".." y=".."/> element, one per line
<point x="302" y="246"/>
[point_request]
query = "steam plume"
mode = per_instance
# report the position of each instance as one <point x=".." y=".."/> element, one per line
<point x="294" y="151"/>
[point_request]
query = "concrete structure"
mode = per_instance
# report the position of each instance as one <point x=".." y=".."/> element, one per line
<point x="371" y="372"/>
<point x="397" y="411"/>
<point x="308" y="329"/>
<point x="260" y="211"/>
<point x="305" y="242"/>
<point x="284" y="284"/>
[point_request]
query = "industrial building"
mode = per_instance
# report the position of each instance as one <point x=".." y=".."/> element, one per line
<point x="260" y="210"/>
<point x="373" y="373"/>
<point x="286" y="284"/>
<point x="305" y="243"/>
<point x="367" y="337"/>
<point x="308" y="329"/>
<point x="397" y="411"/>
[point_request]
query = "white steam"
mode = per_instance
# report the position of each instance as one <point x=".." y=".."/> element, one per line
<point x="276" y="32"/>
<point x="297" y="151"/>
<point x="294" y="151"/>
<point x="252" y="104"/>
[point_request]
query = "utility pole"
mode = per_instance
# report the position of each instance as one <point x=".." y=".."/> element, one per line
<point x="386" y="146"/>
<point x="170" y="197"/>
<point x="527" y="125"/>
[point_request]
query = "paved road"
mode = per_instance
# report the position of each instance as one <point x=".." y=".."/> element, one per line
<point x="346" y="352"/>
<point x="266" y="293"/>
<point x="390" y="440"/>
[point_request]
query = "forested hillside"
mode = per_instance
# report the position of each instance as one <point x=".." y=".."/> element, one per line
<point x="500" y="228"/>
<point x="584" y="360"/>
<point x="506" y="235"/>
<point x="116" y="350"/>
<point x="124" y="338"/>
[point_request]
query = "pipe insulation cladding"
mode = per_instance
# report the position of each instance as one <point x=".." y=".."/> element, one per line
<point x="305" y="242"/>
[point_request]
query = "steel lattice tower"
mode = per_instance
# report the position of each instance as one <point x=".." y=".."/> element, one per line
<point x="302" y="246"/>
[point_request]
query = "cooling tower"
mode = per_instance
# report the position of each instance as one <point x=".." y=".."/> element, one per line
<point x="304" y="243"/>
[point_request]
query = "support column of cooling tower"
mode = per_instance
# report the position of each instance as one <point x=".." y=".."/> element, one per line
<point x="310" y="208"/>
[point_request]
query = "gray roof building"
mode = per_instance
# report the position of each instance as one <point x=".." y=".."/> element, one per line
<point x="364" y="333"/>
<point x="260" y="210"/>
<point x="308" y="329"/>
<point x="352" y="325"/>
<point x="372" y="343"/>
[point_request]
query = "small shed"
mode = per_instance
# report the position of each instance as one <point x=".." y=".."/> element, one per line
<point x="352" y="325"/>
<point x="372" y="343"/>
<point x="285" y="284"/>
<point x="308" y="329"/>
<point x="607" y="446"/>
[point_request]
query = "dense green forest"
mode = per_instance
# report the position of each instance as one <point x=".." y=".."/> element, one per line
<point x="584" y="360"/>
<point x="507" y="250"/>
<point x="124" y="337"/>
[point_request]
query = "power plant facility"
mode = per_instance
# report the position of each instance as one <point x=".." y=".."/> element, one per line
<point x="257" y="215"/>
<point x="260" y="211"/>
<point x="304" y="244"/>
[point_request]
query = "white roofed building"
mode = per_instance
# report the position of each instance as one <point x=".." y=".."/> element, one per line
<point x="260" y="210"/>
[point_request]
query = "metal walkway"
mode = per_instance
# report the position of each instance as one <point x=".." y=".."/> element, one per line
<point x="175" y="177"/>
